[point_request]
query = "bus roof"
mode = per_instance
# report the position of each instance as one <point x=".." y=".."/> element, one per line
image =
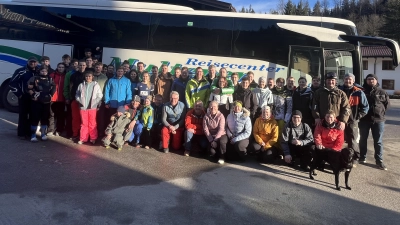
<point x="166" y="8"/>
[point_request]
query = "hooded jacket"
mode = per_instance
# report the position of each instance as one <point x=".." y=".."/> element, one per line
<point x="302" y="132"/>
<point x="378" y="101"/>
<point x="302" y="101"/>
<point x="263" y="96"/>
<point x="145" y="116"/>
<point x="335" y="100"/>
<point x="162" y="86"/>
<point x="19" y="81"/>
<point x="89" y="102"/>
<point x="238" y="125"/>
<point x="248" y="99"/>
<point x="118" y="124"/>
<point x="179" y="85"/>
<point x="67" y="84"/>
<point x="214" y="126"/>
<point x="118" y="92"/>
<point x="329" y="136"/>
<point x="266" y="131"/>
<point x="195" y="122"/>
<point x="358" y="103"/>
<point x="283" y="103"/>
<point x="59" y="80"/>
<point x="197" y="90"/>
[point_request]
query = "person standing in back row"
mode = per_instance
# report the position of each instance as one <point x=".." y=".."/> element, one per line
<point x="379" y="102"/>
<point x="197" y="88"/>
<point x="57" y="105"/>
<point x="163" y="83"/>
<point x="117" y="92"/>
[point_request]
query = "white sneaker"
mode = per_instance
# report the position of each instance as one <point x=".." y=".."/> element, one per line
<point x="44" y="138"/>
<point x="34" y="139"/>
<point x="221" y="161"/>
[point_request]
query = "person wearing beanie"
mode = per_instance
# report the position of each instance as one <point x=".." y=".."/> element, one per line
<point x="379" y="102"/>
<point x="263" y="96"/>
<point x="302" y="101"/>
<point x="266" y="134"/>
<point x="297" y="141"/>
<point x="117" y="130"/>
<point x="359" y="108"/>
<point x="331" y="98"/>
<point x="18" y="85"/>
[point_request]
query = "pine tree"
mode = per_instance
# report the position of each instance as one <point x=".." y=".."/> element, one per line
<point x="290" y="9"/>
<point x="317" y="9"/>
<point x="391" y="29"/>
<point x="306" y="9"/>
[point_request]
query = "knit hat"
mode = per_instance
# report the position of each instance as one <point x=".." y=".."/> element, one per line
<point x="371" y="75"/>
<point x="350" y="75"/>
<point x="32" y="58"/>
<point x="136" y="98"/>
<point x="297" y="113"/>
<point x="331" y="75"/>
<point x="121" y="109"/>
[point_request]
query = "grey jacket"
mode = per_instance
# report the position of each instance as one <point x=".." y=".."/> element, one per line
<point x="95" y="98"/>
<point x="118" y="124"/>
<point x="238" y="125"/>
<point x="302" y="133"/>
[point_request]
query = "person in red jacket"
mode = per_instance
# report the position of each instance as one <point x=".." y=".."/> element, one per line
<point x="57" y="105"/>
<point x="327" y="136"/>
<point x="194" y="127"/>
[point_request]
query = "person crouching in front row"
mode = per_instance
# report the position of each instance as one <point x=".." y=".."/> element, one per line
<point x="194" y="127"/>
<point x="297" y="141"/>
<point x="238" y="130"/>
<point x="266" y="133"/>
<point x="117" y="131"/>
<point x="88" y="95"/>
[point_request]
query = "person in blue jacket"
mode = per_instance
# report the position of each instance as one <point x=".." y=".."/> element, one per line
<point x="117" y="92"/>
<point x="19" y="86"/>
<point x="180" y="83"/>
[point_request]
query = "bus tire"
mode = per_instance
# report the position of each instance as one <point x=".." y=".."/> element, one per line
<point x="9" y="100"/>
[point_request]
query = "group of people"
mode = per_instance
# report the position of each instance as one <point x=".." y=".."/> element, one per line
<point x="90" y="101"/>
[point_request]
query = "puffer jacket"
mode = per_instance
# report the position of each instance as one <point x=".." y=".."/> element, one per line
<point x="118" y="92"/>
<point x="118" y="124"/>
<point x="302" y="101"/>
<point x="145" y="116"/>
<point x="214" y="126"/>
<point x="95" y="98"/>
<point x="197" y="90"/>
<point x="303" y="133"/>
<point x="263" y="96"/>
<point x="283" y="104"/>
<point x="162" y="86"/>
<point x="358" y="103"/>
<point x="329" y="136"/>
<point x="238" y="125"/>
<point x="266" y="131"/>
<point x="19" y="81"/>
<point x="192" y="121"/>
<point x="174" y="115"/>
<point x="247" y="98"/>
<point x="59" y="80"/>
<point x="378" y="101"/>
<point x="179" y="85"/>
<point x="335" y="100"/>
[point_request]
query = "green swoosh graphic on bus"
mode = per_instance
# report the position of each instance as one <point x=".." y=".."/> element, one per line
<point x="17" y="52"/>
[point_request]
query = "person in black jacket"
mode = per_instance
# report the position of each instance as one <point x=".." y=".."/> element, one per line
<point x="19" y="86"/>
<point x="302" y="101"/>
<point x="244" y="94"/>
<point x="379" y="102"/>
<point x="75" y="80"/>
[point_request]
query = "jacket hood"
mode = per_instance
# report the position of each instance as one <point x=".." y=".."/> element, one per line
<point x="246" y="112"/>
<point x="126" y="115"/>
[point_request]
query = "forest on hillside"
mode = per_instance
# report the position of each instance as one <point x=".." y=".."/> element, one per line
<point x="372" y="17"/>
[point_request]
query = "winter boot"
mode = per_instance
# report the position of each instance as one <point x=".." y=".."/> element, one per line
<point x="43" y="131"/>
<point x="33" y="133"/>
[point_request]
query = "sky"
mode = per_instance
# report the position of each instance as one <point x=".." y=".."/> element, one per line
<point x="260" y="5"/>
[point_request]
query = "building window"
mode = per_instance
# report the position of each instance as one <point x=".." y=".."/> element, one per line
<point x="388" y="84"/>
<point x="387" y="65"/>
<point x="365" y="65"/>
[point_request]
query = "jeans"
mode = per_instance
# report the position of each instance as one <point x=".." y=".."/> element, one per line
<point x="137" y="131"/>
<point x="377" y="129"/>
<point x="351" y="135"/>
<point x="189" y="136"/>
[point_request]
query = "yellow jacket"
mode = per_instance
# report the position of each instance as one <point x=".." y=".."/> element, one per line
<point x="266" y="131"/>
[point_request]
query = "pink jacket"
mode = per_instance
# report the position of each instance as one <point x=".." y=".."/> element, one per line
<point x="214" y="126"/>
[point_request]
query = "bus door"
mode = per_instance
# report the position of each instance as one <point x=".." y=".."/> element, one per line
<point x="305" y="62"/>
<point x="56" y="51"/>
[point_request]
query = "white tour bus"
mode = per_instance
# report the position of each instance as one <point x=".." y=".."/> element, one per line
<point x="269" y="45"/>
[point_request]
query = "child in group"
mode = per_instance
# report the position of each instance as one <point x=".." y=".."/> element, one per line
<point x="41" y="88"/>
<point x="89" y="96"/>
<point x="144" y="122"/>
<point x="145" y="88"/>
<point x="117" y="131"/>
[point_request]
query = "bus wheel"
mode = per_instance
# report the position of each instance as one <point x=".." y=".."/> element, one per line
<point x="10" y="101"/>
